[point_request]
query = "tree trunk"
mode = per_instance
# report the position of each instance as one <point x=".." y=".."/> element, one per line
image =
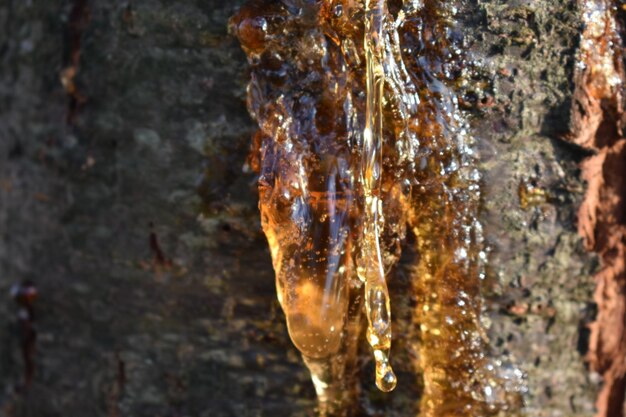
<point x="137" y="279"/>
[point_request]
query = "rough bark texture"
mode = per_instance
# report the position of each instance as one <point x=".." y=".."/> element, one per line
<point x="542" y="298"/>
<point x="597" y="124"/>
<point x="122" y="197"/>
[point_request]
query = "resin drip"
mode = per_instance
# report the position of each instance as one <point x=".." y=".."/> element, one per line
<point x="460" y="378"/>
<point x="369" y="259"/>
<point x="360" y="138"/>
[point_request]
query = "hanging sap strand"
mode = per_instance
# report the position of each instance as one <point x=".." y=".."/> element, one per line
<point x="369" y="260"/>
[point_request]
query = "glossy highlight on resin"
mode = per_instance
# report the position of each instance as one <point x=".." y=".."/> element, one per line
<point x="360" y="139"/>
<point x="369" y="257"/>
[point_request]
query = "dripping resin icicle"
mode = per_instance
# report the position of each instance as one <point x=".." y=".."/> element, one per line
<point x="360" y="139"/>
<point x="303" y="95"/>
<point x="369" y="259"/>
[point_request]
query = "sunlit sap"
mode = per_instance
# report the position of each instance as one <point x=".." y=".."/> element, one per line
<point x="369" y="258"/>
<point x="308" y="240"/>
<point x="361" y="139"/>
<point x="309" y="236"/>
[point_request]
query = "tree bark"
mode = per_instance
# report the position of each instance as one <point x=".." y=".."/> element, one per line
<point x="125" y="201"/>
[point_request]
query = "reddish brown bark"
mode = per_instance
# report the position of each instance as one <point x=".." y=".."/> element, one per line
<point x="597" y="124"/>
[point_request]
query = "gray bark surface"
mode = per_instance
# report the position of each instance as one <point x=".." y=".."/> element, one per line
<point x="190" y="326"/>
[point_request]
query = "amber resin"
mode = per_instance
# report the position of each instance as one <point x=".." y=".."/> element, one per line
<point x="360" y="140"/>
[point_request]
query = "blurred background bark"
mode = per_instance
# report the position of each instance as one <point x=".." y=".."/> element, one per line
<point x="123" y="199"/>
